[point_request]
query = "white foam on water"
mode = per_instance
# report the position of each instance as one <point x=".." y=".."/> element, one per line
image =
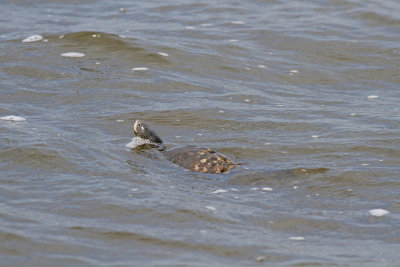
<point x="281" y="105"/>
<point x="254" y="189"/>
<point x="247" y="100"/>
<point x="33" y="38"/>
<point x="260" y="259"/>
<point x="73" y="54"/>
<point x="261" y="66"/>
<point x="378" y="212"/>
<point x="140" y="69"/>
<point x="122" y="36"/>
<point x="372" y="96"/>
<point x="12" y="118"/>
<point x="137" y="141"/>
<point x="134" y="189"/>
<point x="314" y="136"/>
<point x="131" y="144"/>
<point x="238" y="22"/>
<point x="206" y="25"/>
<point x="235" y="189"/>
<point x="221" y="111"/>
<point x="297" y="238"/>
<point x="294" y="71"/>
<point x="210" y="208"/>
<point x="189" y="28"/>
<point x="266" y="189"/>
<point x="220" y="191"/>
<point x="120" y="120"/>
<point x="353" y="114"/>
<point x="233" y="40"/>
<point x="163" y="54"/>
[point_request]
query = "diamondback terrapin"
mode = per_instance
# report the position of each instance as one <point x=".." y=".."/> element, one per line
<point x="190" y="157"/>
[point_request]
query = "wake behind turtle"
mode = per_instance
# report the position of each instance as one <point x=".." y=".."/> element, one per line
<point x="190" y="157"/>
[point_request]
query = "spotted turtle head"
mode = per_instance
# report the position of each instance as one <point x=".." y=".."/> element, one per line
<point x="142" y="130"/>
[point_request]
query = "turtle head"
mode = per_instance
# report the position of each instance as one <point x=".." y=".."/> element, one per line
<point x="142" y="130"/>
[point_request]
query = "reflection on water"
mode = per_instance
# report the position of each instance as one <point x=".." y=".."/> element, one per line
<point x="303" y="95"/>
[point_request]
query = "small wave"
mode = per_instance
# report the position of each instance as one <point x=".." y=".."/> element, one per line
<point x="36" y="158"/>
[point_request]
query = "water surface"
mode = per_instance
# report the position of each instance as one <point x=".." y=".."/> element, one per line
<point x="304" y="94"/>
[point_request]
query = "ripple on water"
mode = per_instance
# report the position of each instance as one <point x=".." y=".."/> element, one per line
<point x="285" y="97"/>
<point x="37" y="157"/>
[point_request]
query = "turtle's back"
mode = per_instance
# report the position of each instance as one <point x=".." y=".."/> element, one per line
<point x="199" y="159"/>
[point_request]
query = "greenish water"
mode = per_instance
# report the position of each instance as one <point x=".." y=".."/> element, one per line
<point x="305" y="95"/>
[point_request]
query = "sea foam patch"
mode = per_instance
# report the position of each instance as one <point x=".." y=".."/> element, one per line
<point x="12" y="118"/>
<point x="137" y="141"/>
<point x="219" y="191"/>
<point x="210" y="208"/>
<point x="33" y="38"/>
<point x="238" y="22"/>
<point x="378" y="212"/>
<point x="163" y="54"/>
<point x="140" y="69"/>
<point x="267" y="189"/>
<point x="73" y="54"/>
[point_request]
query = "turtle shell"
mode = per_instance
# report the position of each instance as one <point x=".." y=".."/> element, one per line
<point x="199" y="159"/>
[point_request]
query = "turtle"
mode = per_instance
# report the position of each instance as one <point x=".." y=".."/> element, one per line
<point x="190" y="157"/>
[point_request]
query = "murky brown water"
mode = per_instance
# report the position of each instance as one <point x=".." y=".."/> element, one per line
<point x="305" y="94"/>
